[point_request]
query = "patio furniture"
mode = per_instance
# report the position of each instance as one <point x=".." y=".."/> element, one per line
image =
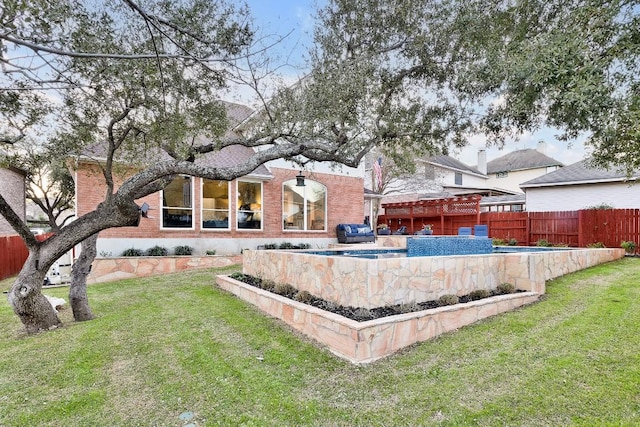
<point x="464" y="231"/>
<point x="481" y="230"/>
<point x="354" y="233"/>
<point x="400" y="231"/>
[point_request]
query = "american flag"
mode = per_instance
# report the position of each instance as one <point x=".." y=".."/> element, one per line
<point x="377" y="173"/>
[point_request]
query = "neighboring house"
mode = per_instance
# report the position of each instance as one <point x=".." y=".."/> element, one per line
<point x="13" y="189"/>
<point x="439" y="177"/>
<point x="265" y="206"/>
<point x="579" y="186"/>
<point x="512" y="169"/>
<point x="505" y="203"/>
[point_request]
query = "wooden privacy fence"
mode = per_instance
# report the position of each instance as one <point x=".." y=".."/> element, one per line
<point x="573" y="228"/>
<point x="13" y="254"/>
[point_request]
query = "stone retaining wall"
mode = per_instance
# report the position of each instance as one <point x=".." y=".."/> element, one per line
<point x="364" y="342"/>
<point x="374" y="283"/>
<point x="108" y="269"/>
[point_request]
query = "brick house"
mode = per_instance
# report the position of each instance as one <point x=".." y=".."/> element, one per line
<point x="263" y="207"/>
<point x="13" y="188"/>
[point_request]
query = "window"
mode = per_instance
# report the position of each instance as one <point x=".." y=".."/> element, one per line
<point x="215" y="204"/>
<point x="430" y="172"/>
<point x="458" y="178"/>
<point x="177" y="203"/>
<point x="304" y="208"/>
<point x="502" y="174"/>
<point x="249" y="215"/>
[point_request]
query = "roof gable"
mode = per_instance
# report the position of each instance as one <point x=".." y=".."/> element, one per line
<point x="451" y="163"/>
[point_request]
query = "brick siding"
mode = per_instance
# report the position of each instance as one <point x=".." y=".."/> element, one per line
<point x="345" y="203"/>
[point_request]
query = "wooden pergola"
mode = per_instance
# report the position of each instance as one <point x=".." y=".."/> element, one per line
<point x="445" y="215"/>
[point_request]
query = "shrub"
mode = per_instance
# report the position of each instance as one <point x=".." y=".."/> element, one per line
<point x="543" y="243"/>
<point x="271" y="246"/>
<point x="362" y="313"/>
<point x="513" y="242"/>
<point x="448" y="299"/>
<point x="628" y="246"/>
<point x="211" y="252"/>
<point x="157" y="251"/>
<point x="132" y="252"/>
<point x="506" y="288"/>
<point x="286" y="245"/>
<point x="284" y="289"/>
<point x="498" y="242"/>
<point x="268" y="285"/>
<point x="596" y="245"/>
<point x="183" y="250"/>
<point x="601" y="206"/>
<point x="329" y="305"/>
<point x="407" y="308"/>
<point x="303" y="296"/>
<point x="479" y="294"/>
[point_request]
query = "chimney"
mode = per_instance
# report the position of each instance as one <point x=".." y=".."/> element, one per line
<point x="482" y="161"/>
<point x="542" y="147"/>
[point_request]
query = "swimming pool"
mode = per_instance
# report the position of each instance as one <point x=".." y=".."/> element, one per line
<point x="372" y="278"/>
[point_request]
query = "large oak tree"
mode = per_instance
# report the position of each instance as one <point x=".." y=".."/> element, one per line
<point x="410" y="77"/>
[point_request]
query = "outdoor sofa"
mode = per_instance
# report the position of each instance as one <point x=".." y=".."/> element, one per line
<point x="355" y="233"/>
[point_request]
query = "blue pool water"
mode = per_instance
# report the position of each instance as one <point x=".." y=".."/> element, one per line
<point x="429" y="246"/>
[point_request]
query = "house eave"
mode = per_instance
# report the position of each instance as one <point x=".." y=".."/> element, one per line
<point x="582" y="182"/>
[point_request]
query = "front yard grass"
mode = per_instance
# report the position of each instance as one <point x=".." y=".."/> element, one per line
<point x="174" y="349"/>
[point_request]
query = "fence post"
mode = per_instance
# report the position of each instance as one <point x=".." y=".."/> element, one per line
<point x="581" y="243"/>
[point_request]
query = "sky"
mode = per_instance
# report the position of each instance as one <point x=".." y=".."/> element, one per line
<point x="297" y="17"/>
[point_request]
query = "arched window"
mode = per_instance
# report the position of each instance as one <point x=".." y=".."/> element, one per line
<point x="304" y="208"/>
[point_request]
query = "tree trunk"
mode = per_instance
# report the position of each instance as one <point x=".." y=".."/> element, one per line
<point x="78" y="289"/>
<point x="33" y="308"/>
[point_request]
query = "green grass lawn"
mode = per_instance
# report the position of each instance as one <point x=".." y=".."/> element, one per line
<point x="171" y="346"/>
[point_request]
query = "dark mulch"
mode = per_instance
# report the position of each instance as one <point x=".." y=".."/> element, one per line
<point x="359" y="314"/>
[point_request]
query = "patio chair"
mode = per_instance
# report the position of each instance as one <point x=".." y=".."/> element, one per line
<point x="401" y="230"/>
<point x="464" y="231"/>
<point x="481" y="230"/>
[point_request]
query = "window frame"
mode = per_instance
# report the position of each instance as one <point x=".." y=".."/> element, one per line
<point x="237" y="210"/>
<point x="192" y="208"/>
<point x="202" y="208"/>
<point x="306" y="227"/>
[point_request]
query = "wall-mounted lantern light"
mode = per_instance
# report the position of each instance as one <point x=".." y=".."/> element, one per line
<point x="300" y="180"/>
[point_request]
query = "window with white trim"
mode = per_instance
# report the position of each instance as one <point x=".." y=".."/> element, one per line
<point x="304" y="208"/>
<point x="458" y="178"/>
<point x="249" y="205"/>
<point x="215" y="204"/>
<point x="177" y="203"/>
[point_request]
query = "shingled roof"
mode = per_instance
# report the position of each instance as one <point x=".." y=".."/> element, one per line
<point x="578" y="173"/>
<point x="521" y="160"/>
<point x="451" y="163"/>
<point x="227" y="157"/>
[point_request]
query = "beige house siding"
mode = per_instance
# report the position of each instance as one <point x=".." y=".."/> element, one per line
<point x="12" y="187"/>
